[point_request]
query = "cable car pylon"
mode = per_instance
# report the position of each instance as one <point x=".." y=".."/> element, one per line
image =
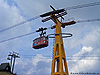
<point x="59" y="64"/>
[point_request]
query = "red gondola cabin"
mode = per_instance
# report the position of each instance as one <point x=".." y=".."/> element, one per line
<point x="40" y="42"/>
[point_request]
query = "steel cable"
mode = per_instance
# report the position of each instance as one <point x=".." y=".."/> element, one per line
<point x="17" y="37"/>
<point x="88" y="20"/>
<point x="79" y="21"/>
<point x="82" y="6"/>
<point x="19" y="24"/>
<point x="68" y="8"/>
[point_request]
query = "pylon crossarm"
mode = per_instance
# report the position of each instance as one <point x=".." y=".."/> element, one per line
<point x="52" y="12"/>
<point x="56" y="16"/>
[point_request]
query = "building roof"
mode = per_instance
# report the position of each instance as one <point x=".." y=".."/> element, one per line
<point x="5" y="67"/>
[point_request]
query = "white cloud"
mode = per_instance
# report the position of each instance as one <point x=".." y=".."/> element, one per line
<point x="92" y="38"/>
<point x="85" y="61"/>
<point x="38" y="65"/>
<point x="83" y="66"/>
<point x="38" y="58"/>
<point x="84" y="50"/>
<point x="11" y="15"/>
<point x="87" y="36"/>
<point x="31" y="7"/>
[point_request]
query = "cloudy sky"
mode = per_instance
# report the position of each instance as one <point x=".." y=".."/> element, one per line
<point x="82" y="50"/>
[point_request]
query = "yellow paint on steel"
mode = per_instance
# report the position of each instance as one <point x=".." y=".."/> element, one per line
<point x="59" y="64"/>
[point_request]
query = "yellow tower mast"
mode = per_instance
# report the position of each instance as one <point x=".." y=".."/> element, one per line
<point x="59" y="59"/>
<point x="59" y="64"/>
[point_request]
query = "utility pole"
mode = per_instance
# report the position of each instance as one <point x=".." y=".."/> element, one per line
<point x="13" y="55"/>
<point x="59" y="64"/>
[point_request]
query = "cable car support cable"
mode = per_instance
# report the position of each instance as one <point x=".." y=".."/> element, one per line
<point x="19" y="24"/>
<point x="83" y="6"/>
<point x="79" y="21"/>
<point x="19" y="36"/>
<point x="33" y="18"/>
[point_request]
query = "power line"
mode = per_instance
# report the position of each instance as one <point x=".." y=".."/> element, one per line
<point x="66" y="59"/>
<point x="82" y="59"/>
<point x="46" y="57"/>
<point x="83" y="6"/>
<point x="19" y="24"/>
<point x="67" y="56"/>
